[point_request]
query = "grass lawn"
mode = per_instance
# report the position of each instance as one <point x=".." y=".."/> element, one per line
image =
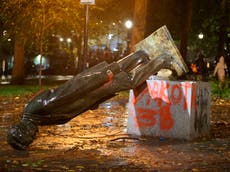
<point x="23" y="90"/>
<point x="218" y="92"/>
<point x="19" y="90"/>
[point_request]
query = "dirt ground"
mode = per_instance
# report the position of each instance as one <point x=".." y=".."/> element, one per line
<point x="98" y="141"/>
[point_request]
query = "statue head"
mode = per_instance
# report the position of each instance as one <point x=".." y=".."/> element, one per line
<point x="21" y="135"/>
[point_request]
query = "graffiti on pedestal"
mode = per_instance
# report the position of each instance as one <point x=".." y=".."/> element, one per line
<point x="155" y="103"/>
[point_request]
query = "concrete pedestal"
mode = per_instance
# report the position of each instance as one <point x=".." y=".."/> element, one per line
<point x="170" y="109"/>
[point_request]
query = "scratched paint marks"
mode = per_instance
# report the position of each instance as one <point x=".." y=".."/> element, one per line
<point x="201" y="113"/>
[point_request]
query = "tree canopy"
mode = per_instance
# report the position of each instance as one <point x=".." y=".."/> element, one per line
<point x="31" y="23"/>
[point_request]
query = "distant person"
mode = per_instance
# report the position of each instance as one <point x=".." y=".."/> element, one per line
<point x="220" y="69"/>
<point x="194" y="71"/>
<point x="202" y="70"/>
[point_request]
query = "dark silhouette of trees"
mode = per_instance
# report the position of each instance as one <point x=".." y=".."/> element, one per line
<point x="33" y="22"/>
<point x="212" y="19"/>
<point x="24" y="22"/>
<point x="224" y="22"/>
<point x="185" y="27"/>
<point x="139" y="21"/>
<point x="150" y="15"/>
<point x="185" y="20"/>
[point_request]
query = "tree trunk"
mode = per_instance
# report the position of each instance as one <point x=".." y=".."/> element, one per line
<point x="223" y="28"/>
<point x="18" y="68"/>
<point x="185" y="28"/>
<point x="139" y="20"/>
<point x="42" y="32"/>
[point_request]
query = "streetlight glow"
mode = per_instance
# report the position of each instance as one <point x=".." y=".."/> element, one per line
<point x="128" y="24"/>
<point x="69" y="40"/>
<point x="201" y="35"/>
<point x="4" y="33"/>
<point x="61" y="39"/>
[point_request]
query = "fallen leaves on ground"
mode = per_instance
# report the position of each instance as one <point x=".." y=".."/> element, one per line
<point x="98" y="140"/>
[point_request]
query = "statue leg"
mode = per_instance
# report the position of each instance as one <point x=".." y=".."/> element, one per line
<point x="74" y="97"/>
<point x="95" y="85"/>
<point x="38" y="111"/>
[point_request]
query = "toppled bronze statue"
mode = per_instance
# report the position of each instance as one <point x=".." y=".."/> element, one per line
<point x="95" y="85"/>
